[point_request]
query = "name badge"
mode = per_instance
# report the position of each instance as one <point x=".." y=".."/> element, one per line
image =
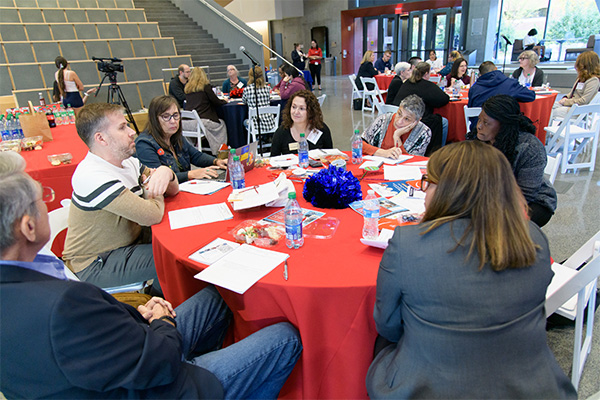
<point x="294" y="146"/>
<point x="240" y="85"/>
<point x="314" y="136"/>
<point x="580" y="86"/>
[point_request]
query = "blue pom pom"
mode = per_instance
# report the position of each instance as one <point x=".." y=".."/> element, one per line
<point x="332" y="188"/>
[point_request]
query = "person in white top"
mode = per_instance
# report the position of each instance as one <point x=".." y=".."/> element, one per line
<point x="69" y="85"/>
<point x="529" y="43"/>
<point x="436" y="63"/>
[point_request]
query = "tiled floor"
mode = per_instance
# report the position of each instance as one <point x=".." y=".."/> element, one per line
<point x="576" y="220"/>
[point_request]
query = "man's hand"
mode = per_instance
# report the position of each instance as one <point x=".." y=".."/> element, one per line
<point x="155" y="308"/>
<point x="159" y="181"/>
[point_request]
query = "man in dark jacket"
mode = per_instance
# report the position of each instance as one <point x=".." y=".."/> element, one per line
<point x="492" y="82"/>
<point x="177" y="84"/>
<point x="67" y="339"/>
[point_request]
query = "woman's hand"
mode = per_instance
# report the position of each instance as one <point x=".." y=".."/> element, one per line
<point x="452" y="80"/>
<point x="562" y="101"/>
<point x="398" y="133"/>
<point x="394" y="152"/>
<point x="204" y="173"/>
<point x="221" y="163"/>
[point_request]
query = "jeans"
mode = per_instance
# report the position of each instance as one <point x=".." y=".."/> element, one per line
<point x="255" y="367"/>
<point x="444" y="130"/>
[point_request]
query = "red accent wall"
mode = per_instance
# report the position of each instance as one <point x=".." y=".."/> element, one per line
<point x="347" y="19"/>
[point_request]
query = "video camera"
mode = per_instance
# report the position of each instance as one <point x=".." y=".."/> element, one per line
<point x="109" y="67"/>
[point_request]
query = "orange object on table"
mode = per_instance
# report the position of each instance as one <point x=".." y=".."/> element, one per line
<point x="538" y="111"/>
<point x="329" y="295"/>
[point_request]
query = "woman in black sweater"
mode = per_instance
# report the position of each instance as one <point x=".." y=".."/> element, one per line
<point x="366" y="70"/>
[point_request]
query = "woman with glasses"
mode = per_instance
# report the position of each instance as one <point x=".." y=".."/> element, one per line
<point x="163" y="144"/>
<point x="402" y="132"/>
<point x="502" y="125"/>
<point x="458" y="73"/>
<point x="527" y="73"/>
<point x="460" y="297"/>
<point x="199" y="96"/>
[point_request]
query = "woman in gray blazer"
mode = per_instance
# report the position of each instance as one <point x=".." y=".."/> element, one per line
<point x="460" y="297"/>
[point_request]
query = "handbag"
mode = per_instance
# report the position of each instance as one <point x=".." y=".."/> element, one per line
<point x="35" y="124"/>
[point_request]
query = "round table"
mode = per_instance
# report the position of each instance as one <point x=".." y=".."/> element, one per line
<point x="329" y="295"/>
<point x="538" y="111"/>
<point x="383" y="81"/>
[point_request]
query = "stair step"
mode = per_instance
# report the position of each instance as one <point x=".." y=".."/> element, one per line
<point x="193" y="40"/>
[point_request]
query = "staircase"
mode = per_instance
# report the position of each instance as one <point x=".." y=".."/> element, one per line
<point x="192" y="39"/>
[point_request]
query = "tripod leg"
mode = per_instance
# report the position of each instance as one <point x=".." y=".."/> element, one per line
<point x="123" y="102"/>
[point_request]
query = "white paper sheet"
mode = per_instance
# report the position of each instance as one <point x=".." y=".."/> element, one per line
<point x="242" y="268"/>
<point x="213" y="251"/>
<point x="389" y="161"/>
<point x="416" y="163"/>
<point x="283" y="161"/>
<point x="253" y="196"/>
<point x="381" y="241"/>
<point x="318" y="153"/>
<point x="414" y="205"/>
<point x="202" y="187"/>
<point x="401" y="172"/>
<point x="199" y="215"/>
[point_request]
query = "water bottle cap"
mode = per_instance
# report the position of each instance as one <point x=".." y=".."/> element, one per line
<point x="232" y="151"/>
<point x="291" y="195"/>
<point x="302" y="135"/>
<point x="236" y="158"/>
<point x="356" y="131"/>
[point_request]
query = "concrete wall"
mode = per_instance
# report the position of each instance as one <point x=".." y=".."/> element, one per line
<point x="481" y="27"/>
<point x="230" y="36"/>
<point x="316" y="13"/>
<point x="265" y="10"/>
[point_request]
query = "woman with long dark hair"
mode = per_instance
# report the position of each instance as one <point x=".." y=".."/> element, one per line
<point x="460" y="297"/>
<point x="69" y="84"/>
<point x="292" y="82"/>
<point x="458" y="73"/>
<point x="163" y="144"/>
<point x="502" y="125"/>
<point x="315" y="57"/>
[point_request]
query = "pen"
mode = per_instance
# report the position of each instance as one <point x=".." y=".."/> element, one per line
<point x="285" y="271"/>
<point x="249" y="188"/>
<point x="212" y="248"/>
<point x="147" y="180"/>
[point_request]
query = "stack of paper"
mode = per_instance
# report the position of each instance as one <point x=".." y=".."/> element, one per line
<point x="199" y="215"/>
<point x="253" y="196"/>
<point x="389" y="161"/>
<point x="242" y="268"/>
<point x="401" y="172"/>
<point x="202" y="187"/>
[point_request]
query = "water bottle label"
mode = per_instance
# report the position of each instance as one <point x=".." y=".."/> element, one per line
<point x="356" y="152"/>
<point x="371" y="213"/>
<point x="303" y="157"/>
<point x="293" y="232"/>
<point x="239" y="183"/>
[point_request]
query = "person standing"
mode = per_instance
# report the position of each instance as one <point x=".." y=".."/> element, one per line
<point x="69" y="84"/>
<point x="315" y="57"/>
<point x="177" y="85"/>
<point x="298" y="57"/>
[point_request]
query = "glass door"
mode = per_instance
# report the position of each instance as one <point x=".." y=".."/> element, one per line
<point x="432" y="29"/>
<point x="379" y="35"/>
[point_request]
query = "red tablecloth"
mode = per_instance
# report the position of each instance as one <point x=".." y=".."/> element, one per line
<point x="329" y="296"/>
<point x="65" y="140"/>
<point x="538" y="111"/>
<point x="383" y="81"/>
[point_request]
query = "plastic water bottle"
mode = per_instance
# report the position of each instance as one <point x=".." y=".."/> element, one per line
<point x="357" y="145"/>
<point x="293" y="223"/>
<point x="12" y="127"/>
<point x="70" y="114"/>
<point x="18" y="127"/>
<point x="237" y="174"/>
<point x="3" y="131"/>
<point x="303" y="151"/>
<point x="371" y="212"/>
<point x="42" y="99"/>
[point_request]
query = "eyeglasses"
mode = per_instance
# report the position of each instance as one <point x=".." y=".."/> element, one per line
<point x="48" y="194"/>
<point x="425" y="182"/>
<point x="167" y="117"/>
<point x="522" y="58"/>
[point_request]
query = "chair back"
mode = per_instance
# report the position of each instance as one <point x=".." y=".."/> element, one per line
<point x="58" y="222"/>
<point x="385" y="108"/>
<point x="573" y="288"/>
<point x="200" y="130"/>
<point x="375" y="94"/>
<point x="469" y="113"/>
<point x="321" y="99"/>
<point x="552" y="165"/>
<point x="273" y="110"/>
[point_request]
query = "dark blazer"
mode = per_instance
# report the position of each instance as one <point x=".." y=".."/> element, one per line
<point x="65" y="339"/>
<point x="366" y="70"/>
<point x="298" y="61"/>
<point x="152" y="155"/>
<point x="457" y="331"/>
<point x="176" y="90"/>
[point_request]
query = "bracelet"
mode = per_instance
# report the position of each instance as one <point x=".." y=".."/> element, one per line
<point x="169" y="319"/>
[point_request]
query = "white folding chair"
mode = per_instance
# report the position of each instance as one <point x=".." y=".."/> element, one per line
<point x="552" y="166"/>
<point x="321" y="99"/>
<point x="570" y="137"/>
<point x="253" y="131"/>
<point x="356" y="94"/>
<point x="198" y="133"/>
<point x="58" y="222"/>
<point x="469" y="113"/>
<point x="374" y="94"/>
<point x="385" y="108"/>
<point x="570" y="291"/>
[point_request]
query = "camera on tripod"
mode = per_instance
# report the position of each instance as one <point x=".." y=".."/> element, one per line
<point x="110" y="66"/>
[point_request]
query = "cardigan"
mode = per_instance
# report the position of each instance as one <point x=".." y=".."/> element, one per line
<point x="538" y="76"/>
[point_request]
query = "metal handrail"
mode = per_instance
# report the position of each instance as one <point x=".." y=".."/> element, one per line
<point x="245" y="32"/>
